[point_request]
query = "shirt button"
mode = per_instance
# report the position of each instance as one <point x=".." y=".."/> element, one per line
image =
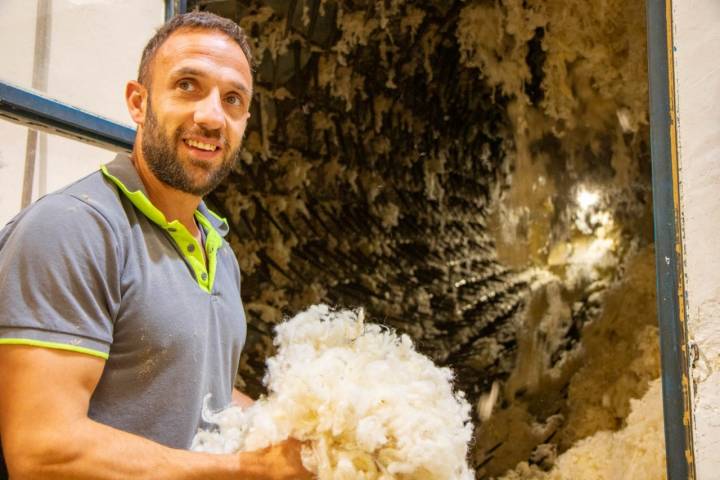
<point x="172" y="229"/>
<point x="191" y="248"/>
<point x="204" y="276"/>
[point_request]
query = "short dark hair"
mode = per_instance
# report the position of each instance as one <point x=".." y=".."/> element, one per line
<point x="191" y="20"/>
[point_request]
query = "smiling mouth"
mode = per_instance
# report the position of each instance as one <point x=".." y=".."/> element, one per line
<point x="201" y="146"/>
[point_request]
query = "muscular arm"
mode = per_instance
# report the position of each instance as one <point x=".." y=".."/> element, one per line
<point x="46" y="432"/>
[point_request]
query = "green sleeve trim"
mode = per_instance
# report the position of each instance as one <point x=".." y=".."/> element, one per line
<point x="56" y="346"/>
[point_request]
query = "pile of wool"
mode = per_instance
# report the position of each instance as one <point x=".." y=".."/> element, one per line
<point x="635" y="452"/>
<point x="365" y="402"/>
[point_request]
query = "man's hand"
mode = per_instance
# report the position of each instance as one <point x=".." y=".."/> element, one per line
<point x="240" y="399"/>
<point x="282" y="460"/>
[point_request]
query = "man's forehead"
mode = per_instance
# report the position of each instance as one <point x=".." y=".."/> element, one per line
<point x="194" y="48"/>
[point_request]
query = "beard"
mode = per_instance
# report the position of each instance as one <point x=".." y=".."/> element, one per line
<point x="161" y="155"/>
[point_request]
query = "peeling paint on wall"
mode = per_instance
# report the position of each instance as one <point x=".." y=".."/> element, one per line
<point x="696" y="37"/>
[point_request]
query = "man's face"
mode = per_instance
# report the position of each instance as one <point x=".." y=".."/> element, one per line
<point x="197" y="110"/>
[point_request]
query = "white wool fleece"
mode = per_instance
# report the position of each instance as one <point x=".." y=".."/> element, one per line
<point x="368" y="404"/>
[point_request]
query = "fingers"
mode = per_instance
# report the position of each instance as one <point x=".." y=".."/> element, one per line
<point x="283" y="461"/>
<point x="294" y="449"/>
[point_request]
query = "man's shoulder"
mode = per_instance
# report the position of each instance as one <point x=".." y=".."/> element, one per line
<point x="94" y="191"/>
<point x="89" y="200"/>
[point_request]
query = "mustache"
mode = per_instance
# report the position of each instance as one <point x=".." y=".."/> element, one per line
<point x="201" y="132"/>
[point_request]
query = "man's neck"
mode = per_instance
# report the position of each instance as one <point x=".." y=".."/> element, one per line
<point x="173" y="203"/>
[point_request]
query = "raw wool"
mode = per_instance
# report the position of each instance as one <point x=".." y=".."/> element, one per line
<point x="493" y="38"/>
<point x="369" y="405"/>
<point x="502" y="110"/>
<point x="530" y="410"/>
<point x="599" y="393"/>
<point x="635" y="452"/>
<point x="588" y="389"/>
<point x="545" y="323"/>
<point x="354" y="152"/>
<point x="579" y="127"/>
<point x="585" y="119"/>
<point x="275" y="38"/>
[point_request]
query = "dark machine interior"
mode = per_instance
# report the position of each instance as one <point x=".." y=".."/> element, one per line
<point x="473" y="173"/>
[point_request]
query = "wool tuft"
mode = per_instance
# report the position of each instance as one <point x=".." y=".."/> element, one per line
<point x="366" y="402"/>
<point x="637" y="451"/>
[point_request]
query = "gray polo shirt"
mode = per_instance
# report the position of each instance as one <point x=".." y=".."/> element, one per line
<point x="95" y="268"/>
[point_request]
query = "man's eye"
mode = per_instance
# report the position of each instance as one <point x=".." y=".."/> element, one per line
<point x="186" y="85"/>
<point x="234" y="100"/>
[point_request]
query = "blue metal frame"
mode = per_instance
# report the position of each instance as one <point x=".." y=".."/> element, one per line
<point x="668" y="244"/>
<point x="35" y="111"/>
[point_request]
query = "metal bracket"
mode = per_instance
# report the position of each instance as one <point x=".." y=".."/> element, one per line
<point x="174" y="7"/>
<point x="668" y="244"/>
<point x="38" y="112"/>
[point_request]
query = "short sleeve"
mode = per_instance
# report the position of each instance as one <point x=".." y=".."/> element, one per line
<point x="59" y="277"/>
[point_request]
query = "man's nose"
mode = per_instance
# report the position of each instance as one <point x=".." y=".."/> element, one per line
<point x="209" y="112"/>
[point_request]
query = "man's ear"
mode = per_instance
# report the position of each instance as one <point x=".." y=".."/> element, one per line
<point x="136" y="99"/>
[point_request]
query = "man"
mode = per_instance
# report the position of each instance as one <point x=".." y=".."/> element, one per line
<point x="119" y="300"/>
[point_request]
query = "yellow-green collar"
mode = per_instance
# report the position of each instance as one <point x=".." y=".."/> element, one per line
<point x="122" y="173"/>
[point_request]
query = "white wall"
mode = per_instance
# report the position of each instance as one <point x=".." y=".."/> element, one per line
<point x="94" y="49"/>
<point x="697" y="76"/>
